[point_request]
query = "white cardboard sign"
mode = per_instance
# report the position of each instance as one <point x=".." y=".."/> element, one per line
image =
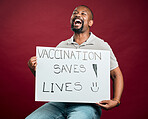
<point x="72" y="75"/>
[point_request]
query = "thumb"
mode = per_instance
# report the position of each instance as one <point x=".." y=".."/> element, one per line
<point x="103" y="102"/>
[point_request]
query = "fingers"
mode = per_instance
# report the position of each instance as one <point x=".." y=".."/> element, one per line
<point x="104" y="102"/>
<point x="107" y="104"/>
<point x="32" y="62"/>
<point x="34" y="58"/>
<point x="103" y="106"/>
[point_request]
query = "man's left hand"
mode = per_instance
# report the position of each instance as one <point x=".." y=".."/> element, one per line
<point x="108" y="104"/>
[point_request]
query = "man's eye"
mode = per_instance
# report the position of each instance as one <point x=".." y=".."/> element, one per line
<point x="83" y="13"/>
<point x="74" y="12"/>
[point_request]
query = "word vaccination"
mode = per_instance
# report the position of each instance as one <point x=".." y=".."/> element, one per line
<point x="68" y="54"/>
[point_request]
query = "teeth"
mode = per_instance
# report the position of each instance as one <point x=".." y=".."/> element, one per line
<point x="77" y="20"/>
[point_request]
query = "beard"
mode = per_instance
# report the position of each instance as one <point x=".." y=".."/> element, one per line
<point x="77" y="30"/>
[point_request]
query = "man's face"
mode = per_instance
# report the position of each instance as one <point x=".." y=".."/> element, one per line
<point x="81" y="19"/>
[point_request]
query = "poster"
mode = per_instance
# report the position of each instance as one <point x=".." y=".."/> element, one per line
<point x="72" y="75"/>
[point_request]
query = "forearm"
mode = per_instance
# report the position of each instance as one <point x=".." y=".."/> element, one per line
<point x="118" y="84"/>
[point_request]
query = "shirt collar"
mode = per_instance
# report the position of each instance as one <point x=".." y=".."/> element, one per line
<point x="87" y="42"/>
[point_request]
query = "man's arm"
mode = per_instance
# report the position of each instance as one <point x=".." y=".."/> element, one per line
<point x="32" y="64"/>
<point x="117" y="79"/>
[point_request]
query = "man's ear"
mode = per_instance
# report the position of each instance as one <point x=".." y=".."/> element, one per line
<point x="91" y="23"/>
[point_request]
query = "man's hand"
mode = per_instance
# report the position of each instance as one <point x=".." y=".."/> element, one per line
<point x="32" y="64"/>
<point x="108" y="104"/>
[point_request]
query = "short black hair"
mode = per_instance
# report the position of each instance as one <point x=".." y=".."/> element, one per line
<point x="89" y="9"/>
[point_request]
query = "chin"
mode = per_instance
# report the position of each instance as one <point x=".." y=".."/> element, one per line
<point x="77" y="30"/>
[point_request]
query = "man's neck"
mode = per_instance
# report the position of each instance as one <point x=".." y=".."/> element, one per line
<point x="81" y="37"/>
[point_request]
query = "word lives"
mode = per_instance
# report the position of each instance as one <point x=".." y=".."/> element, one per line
<point x="67" y="87"/>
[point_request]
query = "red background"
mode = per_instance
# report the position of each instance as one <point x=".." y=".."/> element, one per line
<point x="24" y="24"/>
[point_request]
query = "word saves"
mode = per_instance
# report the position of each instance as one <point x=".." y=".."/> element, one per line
<point x="73" y="68"/>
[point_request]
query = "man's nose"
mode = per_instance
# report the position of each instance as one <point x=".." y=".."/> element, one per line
<point x="78" y="15"/>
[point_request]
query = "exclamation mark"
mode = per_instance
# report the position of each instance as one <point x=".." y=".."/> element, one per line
<point x="95" y="69"/>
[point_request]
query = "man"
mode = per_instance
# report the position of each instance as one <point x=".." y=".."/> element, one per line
<point x="81" y="21"/>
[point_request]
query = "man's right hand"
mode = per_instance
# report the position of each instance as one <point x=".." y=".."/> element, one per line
<point x="32" y="64"/>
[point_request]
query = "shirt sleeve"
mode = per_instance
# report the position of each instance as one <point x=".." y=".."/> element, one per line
<point x="113" y="60"/>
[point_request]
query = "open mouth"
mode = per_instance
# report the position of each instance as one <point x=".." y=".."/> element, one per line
<point x="77" y="25"/>
<point x="77" y="22"/>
